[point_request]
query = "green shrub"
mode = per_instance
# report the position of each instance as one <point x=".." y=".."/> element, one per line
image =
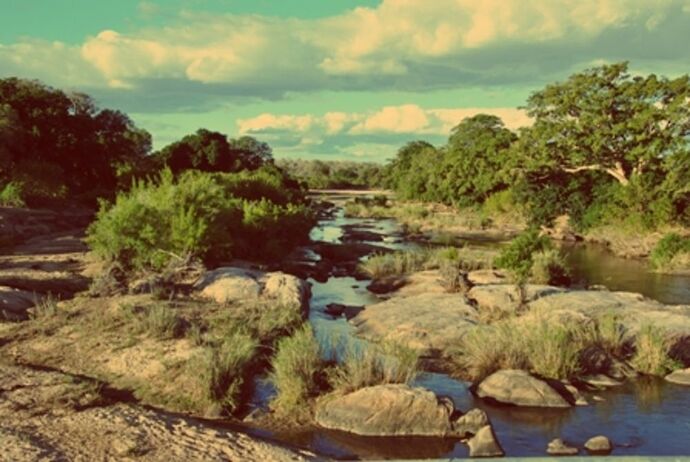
<point x="294" y="371"/>
<point x="517" y="258"/>
<point x="652" y="351"/>
<point x="197" y="216"/>
<point x="12" y="195"/>
<point x="670" y="246"/>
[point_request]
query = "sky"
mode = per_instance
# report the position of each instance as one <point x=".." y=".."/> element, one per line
<point x="330" y="79"/>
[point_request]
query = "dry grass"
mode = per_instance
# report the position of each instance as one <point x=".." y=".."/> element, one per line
<point x="652" y="352"/>
<point x="373" y="364"/>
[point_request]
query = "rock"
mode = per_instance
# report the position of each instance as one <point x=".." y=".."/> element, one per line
<point x="485" y="444"/>
<point x="387" y="410"/>
<point x="631" y="310"/>
<point x="15" y="303"/>
<point x="429" y="323"/>
<point x="679" y="377"/>
<point x="558" y="448"/>
<point x="577" y="396"/>
<point x="386" y="285"/>
<point x="601" y="381"/>
<point x="471" y="422"/>
<point x="230" y="284"/>
<point x="504" y="297"/>
<point x="486" y="276"/>
<point x="517" y="387"/>
<point x="337" y="310"/>
<point x="599" y="445"/>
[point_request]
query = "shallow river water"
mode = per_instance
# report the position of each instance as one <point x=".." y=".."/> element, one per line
<point x="643" y="417"/>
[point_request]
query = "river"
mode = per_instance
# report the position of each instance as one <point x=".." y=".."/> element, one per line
<point x="646" y="416"/>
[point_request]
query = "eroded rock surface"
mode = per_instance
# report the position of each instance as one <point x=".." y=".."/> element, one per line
<point x="429" y="323"/>
<point x="388" y="410"/>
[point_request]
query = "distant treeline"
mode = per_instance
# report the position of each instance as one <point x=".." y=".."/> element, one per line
<point x="605" y="147"/>
<point x="319" y="174"/>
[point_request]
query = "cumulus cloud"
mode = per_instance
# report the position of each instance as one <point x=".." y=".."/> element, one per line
<point x="412" y="44"/>
<point x="375" y="134"/>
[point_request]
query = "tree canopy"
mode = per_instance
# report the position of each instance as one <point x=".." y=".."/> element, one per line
<point x="59" y="144"/>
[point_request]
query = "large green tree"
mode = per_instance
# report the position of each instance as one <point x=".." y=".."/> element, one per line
<point x="474" y="159"/>
<point x="604" y="119"/>
<point x="58" y="143"/>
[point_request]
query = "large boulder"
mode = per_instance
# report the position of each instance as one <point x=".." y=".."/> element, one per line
<point x="388" y="410"/>
<point x="599" y="445"/>
<point x="230" y="284"/>
<point x="519" y="388"/>
<point x="429" y="323"/>
<point x="15" y="303"/>
<point x="471" y="422"/>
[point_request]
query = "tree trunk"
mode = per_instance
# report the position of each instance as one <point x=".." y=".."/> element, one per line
<point x="616" y="171"/>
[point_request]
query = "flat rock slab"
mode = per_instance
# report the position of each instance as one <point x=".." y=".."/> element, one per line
<point x="505" y="297"/>
<point x="387" y="410"/>
<point x="519" y="388"/>
<point x="428" y="323"/>
<point x="679" y="377"/>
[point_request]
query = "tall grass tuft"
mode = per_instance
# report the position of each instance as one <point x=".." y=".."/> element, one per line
<point x="365" y="366"/>
<point x="46" y="307"/>
<point x="652" y="351"/>
<point x="221" y="369"/>
<point x="161" y="321"/>
<point x="294" y="369"/>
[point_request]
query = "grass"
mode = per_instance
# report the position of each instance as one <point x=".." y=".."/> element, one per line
<point x="651" y="352"/>
<point x="221" y="369"/>
<point x="406" y="262"/>
<point x="162" y="322"/>
<point x="671" y="253"/>
<point x="295" y="367"/>
<point x="549" y="267"/>
<point x="46" y="307"/>
<point x="374" y="364"/>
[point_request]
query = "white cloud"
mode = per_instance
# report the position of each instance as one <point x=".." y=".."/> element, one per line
<point x="404" y="119"/>
<point x="388" y="40"/>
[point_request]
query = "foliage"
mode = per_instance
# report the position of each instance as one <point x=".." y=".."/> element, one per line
<point x="668" y="248"/>
<point x="209" y="216"/>
<point x="518" y="257"/>
<point x="294" y="371"/>
<point x="319" y="174"/>
<point x="12" y="195"/>
<point x="61" y="145"/>
<point x="213" y="152"/>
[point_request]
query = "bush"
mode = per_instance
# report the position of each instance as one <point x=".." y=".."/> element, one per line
<point x="517" y="258"/>
<point x="213" y="217"/>
<point x="667" y="249"/>
<point x="295" y="367"/>
<point x="12" y="195"/>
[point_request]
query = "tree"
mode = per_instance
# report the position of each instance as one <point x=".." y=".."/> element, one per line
<point x="605" y="120"/>
<point x="476" y="154"/>
<point x="398" y="170"/>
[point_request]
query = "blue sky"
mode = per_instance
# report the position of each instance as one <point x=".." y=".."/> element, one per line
<point x="330" y="78"/>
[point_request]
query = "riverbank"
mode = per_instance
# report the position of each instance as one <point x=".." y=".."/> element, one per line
<point x="441" y="224"/>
